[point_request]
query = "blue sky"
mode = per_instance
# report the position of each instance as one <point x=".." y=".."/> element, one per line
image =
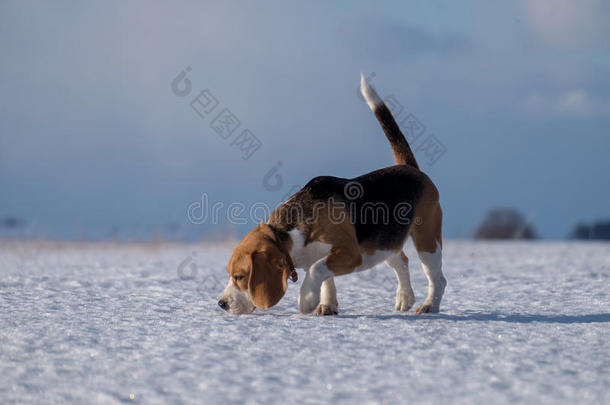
<point x="94" y="141"/>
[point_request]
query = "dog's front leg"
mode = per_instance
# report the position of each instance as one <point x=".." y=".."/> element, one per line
<point x="328" y="300"/>
<point x="309" y="295"/>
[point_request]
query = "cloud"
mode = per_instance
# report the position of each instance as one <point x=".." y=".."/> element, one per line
<point x="569" y="23"/>
<point x="575" y="101"/>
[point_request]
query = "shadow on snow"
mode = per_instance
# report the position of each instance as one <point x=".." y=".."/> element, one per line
<point x="497" y="317"/>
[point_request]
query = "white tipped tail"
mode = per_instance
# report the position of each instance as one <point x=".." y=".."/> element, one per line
<point x="369" y="94"/>
<point x="403" y="155"/>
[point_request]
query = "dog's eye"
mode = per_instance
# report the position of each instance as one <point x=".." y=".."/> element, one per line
<point x="238" y="278"/>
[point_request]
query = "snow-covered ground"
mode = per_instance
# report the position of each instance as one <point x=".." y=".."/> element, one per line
<point x="102" y="323"/>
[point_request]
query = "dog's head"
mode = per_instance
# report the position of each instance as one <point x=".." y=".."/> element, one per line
<point x="258" y="272"/>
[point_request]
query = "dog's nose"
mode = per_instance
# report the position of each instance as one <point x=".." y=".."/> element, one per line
<point x="222" y="304"/>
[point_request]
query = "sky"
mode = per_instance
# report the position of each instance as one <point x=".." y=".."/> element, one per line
<point x="99" y="136"/>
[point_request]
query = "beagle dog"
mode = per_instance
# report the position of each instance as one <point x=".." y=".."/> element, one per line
<point x="335" y="226"/>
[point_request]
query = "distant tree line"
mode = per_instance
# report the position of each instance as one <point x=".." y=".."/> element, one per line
<point x="11" y="223"/>
<point x="599" y="230"/>
<point x="508" y="223"/>
<point x="504" y="223"/>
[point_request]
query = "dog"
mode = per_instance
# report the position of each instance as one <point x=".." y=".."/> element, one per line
<point x="332" y="227"/>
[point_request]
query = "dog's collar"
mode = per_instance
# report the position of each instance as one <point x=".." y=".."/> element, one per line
<point x="292" y="273"/>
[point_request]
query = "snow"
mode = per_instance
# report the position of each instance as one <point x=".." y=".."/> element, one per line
<point x="103" y="323"/>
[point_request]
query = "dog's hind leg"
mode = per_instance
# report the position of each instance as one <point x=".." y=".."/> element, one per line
<point x="428" y="241"/>
<point x="328" y="299"/>
<point x="404" y="293"/>
<point x="431" y="263"/>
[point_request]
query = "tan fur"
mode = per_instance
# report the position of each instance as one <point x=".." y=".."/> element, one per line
<point x="345" y="254"/>
<point x="267" y="284"/>
<point x="258" y="259"/>
<point x="426" y="229"/>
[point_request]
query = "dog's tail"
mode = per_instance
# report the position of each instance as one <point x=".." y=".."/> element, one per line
<point x="400" y="147"/>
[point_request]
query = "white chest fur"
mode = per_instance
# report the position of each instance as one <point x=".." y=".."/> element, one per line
<point x="304" y="256"/>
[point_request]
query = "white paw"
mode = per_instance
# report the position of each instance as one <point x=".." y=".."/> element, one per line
<point x="308" y="299"/>
<point x="404" y="300"/>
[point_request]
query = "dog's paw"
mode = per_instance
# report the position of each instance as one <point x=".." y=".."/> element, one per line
<point x="308" y="302"/>
<point x="307" y="307"/>
<point x="309" y="296"/>
<point x="404" y="301"/>
<point x="325" y="310"/>
<point x="426" y="309"/>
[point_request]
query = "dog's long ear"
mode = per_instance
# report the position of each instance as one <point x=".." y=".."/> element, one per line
<point x="267" y="282"/>
<point x="269" y="233"/>
<point x="266" y="230"/>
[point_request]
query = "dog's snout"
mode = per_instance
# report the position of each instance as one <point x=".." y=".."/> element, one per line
<point x="223" y="304"/>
